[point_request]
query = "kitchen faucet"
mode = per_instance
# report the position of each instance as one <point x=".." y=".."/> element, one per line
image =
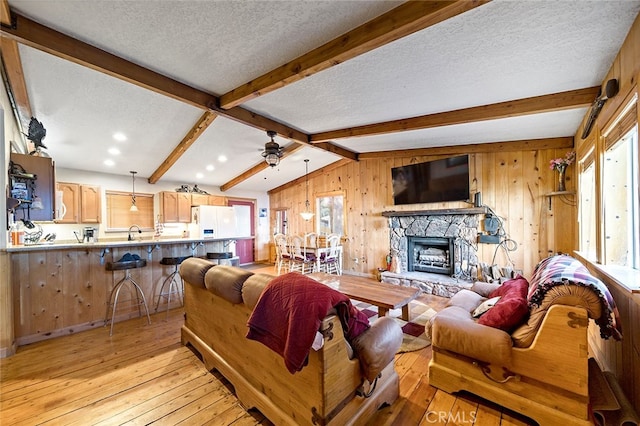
<point x="130" y="237"/>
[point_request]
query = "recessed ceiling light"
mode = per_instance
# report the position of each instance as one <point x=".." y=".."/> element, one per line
<point x="114" y="151"/>
<point x="222" y="158"/>
<point x="210" y="167"/>
<point x="109" y="162"/>
<point x="199" y="175"/>
<point x="121" y="137"/>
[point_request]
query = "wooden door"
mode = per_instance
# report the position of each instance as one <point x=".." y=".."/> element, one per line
<point x="245" y="248"/>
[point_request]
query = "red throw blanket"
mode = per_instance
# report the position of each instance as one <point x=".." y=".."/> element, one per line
<point x="290" y="311"/>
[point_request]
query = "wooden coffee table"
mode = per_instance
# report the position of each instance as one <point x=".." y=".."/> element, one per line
<point x="384" y="296"/>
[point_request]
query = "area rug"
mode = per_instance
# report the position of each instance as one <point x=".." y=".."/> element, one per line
<point x="413" y="338"/>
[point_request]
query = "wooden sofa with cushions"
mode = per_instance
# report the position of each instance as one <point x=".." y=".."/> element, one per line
<point x="533" y="362"/>
<point x="338" y="384"/>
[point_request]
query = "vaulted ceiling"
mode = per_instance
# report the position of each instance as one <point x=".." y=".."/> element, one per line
<point x="190" y="81"/>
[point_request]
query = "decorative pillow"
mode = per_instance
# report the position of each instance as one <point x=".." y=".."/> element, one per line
<point x="485" y="306"/>
<point x="512" y="308"/>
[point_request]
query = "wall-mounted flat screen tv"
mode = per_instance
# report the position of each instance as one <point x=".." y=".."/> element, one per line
<point x="436" y="181"/>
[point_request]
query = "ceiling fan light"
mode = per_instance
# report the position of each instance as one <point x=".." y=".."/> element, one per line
<point x="272" y="151"/>
<point x="272" y="160"/>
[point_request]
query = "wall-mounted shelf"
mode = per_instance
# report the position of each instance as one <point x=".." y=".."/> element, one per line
<point x="550" y="195"/>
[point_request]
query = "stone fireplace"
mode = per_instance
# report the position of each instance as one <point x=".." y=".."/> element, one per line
<point x="435" y="249"/>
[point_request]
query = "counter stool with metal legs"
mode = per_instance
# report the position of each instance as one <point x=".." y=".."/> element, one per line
<point x="175" y="287"/>
<point x="126" y="266"/>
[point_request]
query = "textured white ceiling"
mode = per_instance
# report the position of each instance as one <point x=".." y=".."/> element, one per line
<point x="500" y="51"/>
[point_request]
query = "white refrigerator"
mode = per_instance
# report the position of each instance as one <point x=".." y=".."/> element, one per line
<point x="209" y="222"/>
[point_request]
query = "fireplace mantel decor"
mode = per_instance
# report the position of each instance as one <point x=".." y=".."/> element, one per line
<point x="438" y="212"/>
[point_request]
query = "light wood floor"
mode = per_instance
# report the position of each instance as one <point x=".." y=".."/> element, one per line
<point x="144" y="375"/>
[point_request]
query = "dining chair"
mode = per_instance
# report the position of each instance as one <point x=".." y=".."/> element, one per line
<point x="299" y="260"/>
<point x="330" y="261"/>
<point x="283" y="256"/>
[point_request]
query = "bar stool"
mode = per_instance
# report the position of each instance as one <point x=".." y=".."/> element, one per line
<point x="126" y="266"/>
<point x="222" y="258"/>
<point x="175" y="287"/>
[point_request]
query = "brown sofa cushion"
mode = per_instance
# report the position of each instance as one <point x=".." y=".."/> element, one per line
<point x="226" y="282"/>
<point x="512" y="308"/>
<point x="466" y="299"/>
<point x="252" y="288"/>
<point x="377" y="346"/>
<point x="453" y="329"/>
<point x="194" y="270"/>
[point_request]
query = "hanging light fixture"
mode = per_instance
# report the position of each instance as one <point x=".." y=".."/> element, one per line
<point x="272" y="151"/>
<point x="307" y="214"/>
<point x="133" y="208"/>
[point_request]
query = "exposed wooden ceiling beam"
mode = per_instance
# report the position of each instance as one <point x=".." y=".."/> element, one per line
<point x="43" y="38"/>
<point x="5" y="13"/>
<point x="402" y="21"/>
<point x="338" y="150"/>
<point x="519" y="145"/>
<point x="288" y="150"/>
<point x="312" y="175"/>
<point x="534" y="105"/>
<point x="15" y="75"/>
<point x="186" y="142"/>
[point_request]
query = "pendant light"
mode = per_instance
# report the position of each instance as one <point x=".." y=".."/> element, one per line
<point x="133" y="208"/>
<point x="307" y="214"/>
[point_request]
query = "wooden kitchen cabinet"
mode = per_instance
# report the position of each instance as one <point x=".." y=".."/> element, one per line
<point x="175" y="207"/>
<point x="217" y="200"/>
<point x="83" y="203"/>
<point x="208" y="200"/>
<point x="71" y="200"/>
<point x="43" y="186"/>
<point x="199" y="199"/>
<point x="90" y="204"/>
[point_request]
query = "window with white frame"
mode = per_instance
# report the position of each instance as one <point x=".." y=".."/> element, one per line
<point x="621" y="218"/>
<point x="587" y="205"/>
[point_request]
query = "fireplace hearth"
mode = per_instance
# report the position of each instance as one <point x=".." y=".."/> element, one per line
<point x="431" y="254"/>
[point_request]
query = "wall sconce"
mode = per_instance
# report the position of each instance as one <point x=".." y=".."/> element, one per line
<point x="133" y="208"/>
<point x="272" y="151"/>
<point x="307" y="214"/>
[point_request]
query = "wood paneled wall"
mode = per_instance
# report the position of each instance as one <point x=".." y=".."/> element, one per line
<point x="513" y="184"/>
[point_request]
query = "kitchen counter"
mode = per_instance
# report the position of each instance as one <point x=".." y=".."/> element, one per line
<point x="106" y="243"/>
<point x="64" y="287"/>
